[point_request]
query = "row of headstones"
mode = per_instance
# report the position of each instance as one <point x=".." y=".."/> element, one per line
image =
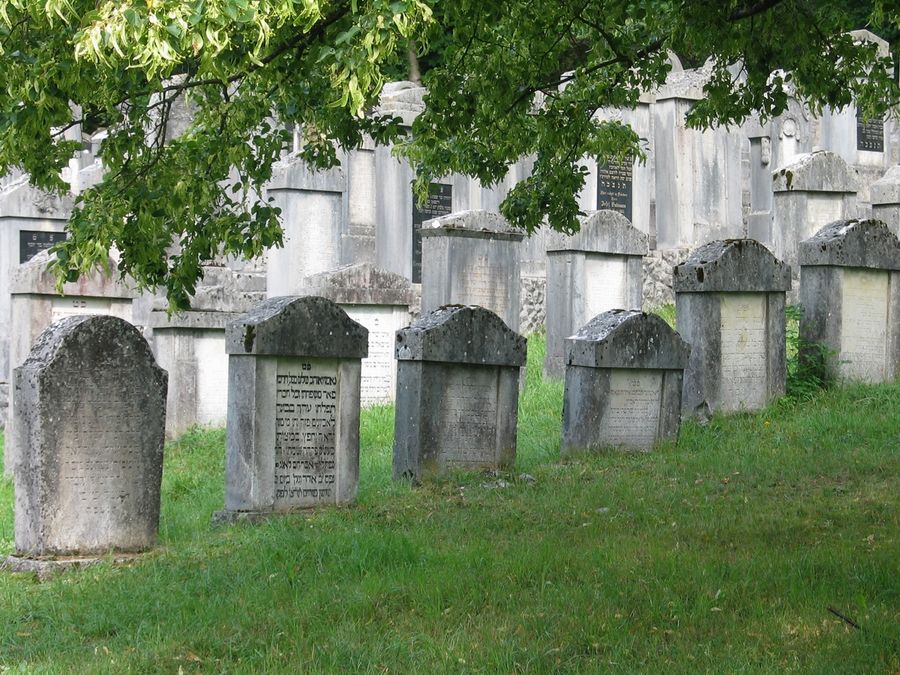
<point x="90" y="414"/>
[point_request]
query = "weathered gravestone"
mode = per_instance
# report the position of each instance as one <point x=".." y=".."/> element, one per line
<point x="595" y="270"/>
<point x="886" y="199"/>
<point x="89" y="430"/>
<point x="850" y="293"/>
<point x="382" y="302"/>
<point x="472" y="258"/>
<point x="457" y="392"/>
<point x="293" y="407"/>
<point x="624" y="374"/>
<point x="811" y="191"/>
<point x="729" y="299"/>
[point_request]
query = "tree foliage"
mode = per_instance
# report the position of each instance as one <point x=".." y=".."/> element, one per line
<point x="511" y="79"/>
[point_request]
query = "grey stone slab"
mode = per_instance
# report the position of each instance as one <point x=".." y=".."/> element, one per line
<point x="853" y="243"/>
<point x="457" y="393"/>
<point x="603" y="232"/>
<point x="361" y="284"/>
<point x="624" y="375"/>
<point x="732" y="265"/>
<point x="293" y="408"/>
<point x="45" y="569"/>
<point x="88" y="439"/>
<point x="292" y="326"/>
<point x="820" y="171"/>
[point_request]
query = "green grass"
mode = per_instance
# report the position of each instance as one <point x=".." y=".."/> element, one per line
<point x="720" y="553"/>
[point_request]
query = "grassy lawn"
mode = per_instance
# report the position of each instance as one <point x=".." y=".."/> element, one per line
<point x="721" y="553"/>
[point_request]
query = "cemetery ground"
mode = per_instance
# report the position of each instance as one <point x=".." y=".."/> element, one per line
<point x="734" y="550"/>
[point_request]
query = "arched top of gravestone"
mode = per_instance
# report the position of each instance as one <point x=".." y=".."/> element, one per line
<point x="820" y="171"/>
<point x="461" y="334"/>
<point x="853" y="243"/>
<point x="603" y="232"/>
<point x="21" y="200"/>
<point x="34" y="277"/>
<point x="886" y="190"/>
<point x="360" y="284"/>
<point x="472" y="221"/>
<point x="863" y="35"/>
<point x="622" y="338"/>
<point x="91" y="342"/>
<point x="297" y="326"/>
<point x="732" y="266"/>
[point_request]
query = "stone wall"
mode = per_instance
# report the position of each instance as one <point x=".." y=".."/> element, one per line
<point x="533" y="308"/>
<point x="658" y="266"/>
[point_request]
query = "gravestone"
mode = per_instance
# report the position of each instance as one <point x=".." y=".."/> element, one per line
<point x="293" y="408"/>
<point x="35" y="305"/>
<point x="30" y="222"/>
<point x="590" y="272"/>
<point x="811" y="191"/>
<point x="729" y="300"/>
<point x="886" y="199"/>
<point x="457" y="393"/>
<point x="624" y="375"/>
<point x="850" y="293"/>
<point x="88" y="437"/>
<point x="382" y="302"/>
<point x="190" y="345"/>
<point x="472" y="258"/>
<point x="698" y="172"/>
<point x="313" y="211"/>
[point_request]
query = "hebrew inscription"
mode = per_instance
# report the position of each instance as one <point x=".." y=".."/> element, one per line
<point x="631" y="417"/>
<point x="439" y="203"/>
<point x="605" y="285"/>
<point x="485" y="285"/>
<point x="379" y="370"/>
<point x="305" y="424"/>
<point x="60" y="308"/>
<point x="869" y="134"/>
<point x="32" y="242"/>
<point x="614" y="186"/>
<point x="469" y="417"/>
<point x="864" y="323"/>
<point x="744" y="380"/>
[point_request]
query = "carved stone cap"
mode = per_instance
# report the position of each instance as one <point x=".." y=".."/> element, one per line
<point x="473" y="220"/>
<point x="461" y="334"/>
<point x="603" y="232"/>
<point x="297" y="326"/>
<point x="853" y="243"/>
<point x="886" y="190"/>
<point x="820" y="171"/>
<point x="360" y="284"/>
<point x="622" y="338"/>
<point x="34" y="278"/>
<point x="732" y="265"/>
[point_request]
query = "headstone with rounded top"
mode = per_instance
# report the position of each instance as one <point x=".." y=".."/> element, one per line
<point x="89" y="431"/>
<point x="597" y="269"/>
<point x="293" y="407"/>
<point x="850" y="294"/>
<point x="457" y="393"/>
<point x="624" y="375"/>
<point x="729" y="301"/>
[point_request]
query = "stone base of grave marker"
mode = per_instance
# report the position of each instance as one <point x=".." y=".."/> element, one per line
<point x="45" y="569"/>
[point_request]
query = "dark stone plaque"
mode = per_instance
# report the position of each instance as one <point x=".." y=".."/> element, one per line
<point x="33" y="242"/>
<point x="869" y="135"/>
<point x="440" y="203"/>
<point x="614" y="186"/>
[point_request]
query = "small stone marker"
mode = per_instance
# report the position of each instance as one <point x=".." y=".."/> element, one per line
<point x="624" y="374"/>
<point x="472" y="258"/>
<point x="850" y="292"/>
<point x="293" y="407"/>
<point x="730" y="298"/>
<point x="457" y="392"/>
<point x="89" y="430"/>
<point x="595" y="270"/>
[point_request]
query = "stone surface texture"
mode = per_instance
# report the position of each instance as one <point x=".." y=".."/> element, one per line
<point x="885" y="194"/>
<point x="730" y="299"/>
<point x="850" y="294"/>
<point x="88" y="440"/>
<point x="293" y="407"/>
<point x="457" y="393"/>
<point x="624" y="375"/>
